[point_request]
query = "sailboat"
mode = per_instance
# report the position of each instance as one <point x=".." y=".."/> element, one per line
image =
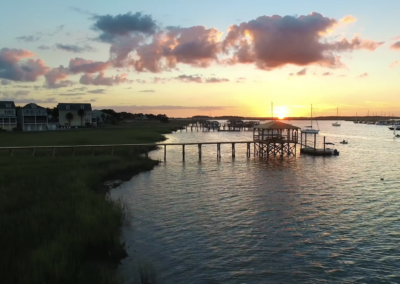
<point x="337" y="114"/>
<point x="309" y="129"/>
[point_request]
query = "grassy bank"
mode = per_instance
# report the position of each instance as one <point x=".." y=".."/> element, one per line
<point x="55" y="225"/>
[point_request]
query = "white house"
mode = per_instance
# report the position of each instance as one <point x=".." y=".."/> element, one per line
<point x="8" y="117"/>
<point x="69" y="115"/>
<point x="32" y="118"/>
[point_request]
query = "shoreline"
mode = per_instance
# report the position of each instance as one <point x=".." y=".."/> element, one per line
<point x="68" y="230"/>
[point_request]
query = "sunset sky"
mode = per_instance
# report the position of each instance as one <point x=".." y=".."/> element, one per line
<point x="186" y="58"/>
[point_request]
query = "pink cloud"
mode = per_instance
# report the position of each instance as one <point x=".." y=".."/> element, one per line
<point x="100" y="79"/>
<point x="363" y="75"/>
<point x="327" y="74"/>
<point x="80" y="65"/>
<point x="273" y="41"/>
<point x="14" y="66"/>
<point x="395" y="46"/>
<point x="393" y="64"/>
<point x="55" y="78"/>
<point x="302" y="72"/>
<point x="189" y="78"/>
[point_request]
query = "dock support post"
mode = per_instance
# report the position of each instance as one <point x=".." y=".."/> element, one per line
<point x="324" y="144"/>
<point x="33" y="152"/>
<point x="73" y="152"/>
<point x="183" y="152"/>
<point x="12" y="152"/>
<point x="54" y="152"/>
<point x="112" y="151"/>
<point x="199" y="151"/>
<point x="248" y="150"/>
<point x="218" y="151"/>
<point x="233" y="150"/>
<point x="315" y="142"/>
<point x="165" y="151"/>
<point x="92" y="151"/>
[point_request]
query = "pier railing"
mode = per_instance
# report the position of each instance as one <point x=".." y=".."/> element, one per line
<point x="144" y="146"/>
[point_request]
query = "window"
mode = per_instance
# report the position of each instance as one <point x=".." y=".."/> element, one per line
<point x="8" y="105"/>
<point x="82" y="107"/>
<point x="33" y="106"/>
<point x="67" y="107"/>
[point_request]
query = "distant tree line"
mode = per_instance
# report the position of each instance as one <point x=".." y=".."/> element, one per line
<point x="115" y="117"/>
<point x="122" y="116"/>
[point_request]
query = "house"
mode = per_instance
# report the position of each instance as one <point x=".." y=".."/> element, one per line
<point x="32" y="118"/>
<point x="69" y="115"/>
<point x="8" y="116"/>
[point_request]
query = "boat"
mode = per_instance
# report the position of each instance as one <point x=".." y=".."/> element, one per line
<point x="309" y="129"/>
<point x="337" y="114"/>
<point x="393" y="127"/>
<point x="344" y="142"/>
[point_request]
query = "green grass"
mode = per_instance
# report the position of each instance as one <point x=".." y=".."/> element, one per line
<point x="56" y="225"/>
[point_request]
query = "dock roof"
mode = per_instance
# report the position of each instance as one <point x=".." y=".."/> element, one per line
<point x="275" y="125"/>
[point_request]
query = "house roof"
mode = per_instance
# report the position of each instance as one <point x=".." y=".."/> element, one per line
<point x="4" y="104"/>
<point x="32" y="106"/>
<point x="74" y="106"/>
<point x="275" y="125"/>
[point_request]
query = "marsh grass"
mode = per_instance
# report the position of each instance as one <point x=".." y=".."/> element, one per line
<point x="56" y="224"/>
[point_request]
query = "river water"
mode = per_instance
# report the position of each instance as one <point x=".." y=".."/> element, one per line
<point x="249" y="220"/>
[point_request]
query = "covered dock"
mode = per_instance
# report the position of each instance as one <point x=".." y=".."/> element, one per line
<point x="275" y="138"/>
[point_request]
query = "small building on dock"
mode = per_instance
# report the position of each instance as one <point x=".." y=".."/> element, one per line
<point x="275" y="138"/>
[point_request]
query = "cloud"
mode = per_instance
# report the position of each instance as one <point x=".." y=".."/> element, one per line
<point x="80" y="89"/>
<point x="55" y="78"/>
<point x="13" y="68"/>
<point x="363" y="75"/>
<point x="97" y="91"/>
<point x="80" y="65"/>
<point x="100" y="79"/>
<point x="147" y="91"/>
<point x="393" y="64"/>
<point x="274" y="41"/>
<point x="140" y="81"/>
<point x="160" y="80"/>
<point x="189" y="78"/>
<point x="13" y="95"/>
<point x="79" y="10"/>
<point x="327" y="74"/>
<point x="74" y="48"/>
<point x="241" y="80"/>
<point x="348" y="19"/>
<point x="44" y="47"/>
<point x="302" y="72"/>
<point x="123" y="25"/>
<point x="395" y="46"/>
<point x="30" y="38"/>
<point x="5" y="82"/>
<point x="136" y="108"/>
<point x="216" y="80"/>
<point x="72" y="94"/>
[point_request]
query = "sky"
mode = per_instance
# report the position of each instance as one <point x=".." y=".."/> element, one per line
<point x="185" y="58"/>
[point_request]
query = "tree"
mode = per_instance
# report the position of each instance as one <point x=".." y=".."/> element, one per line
<point x="81" y="113"/>
<point x="69" y="116"/>
<point x="103" y="117"/>
<point x="54" y="112"/>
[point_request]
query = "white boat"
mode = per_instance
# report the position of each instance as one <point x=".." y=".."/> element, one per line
<point x="309" y="129"/>
<point x="337" y="114"/>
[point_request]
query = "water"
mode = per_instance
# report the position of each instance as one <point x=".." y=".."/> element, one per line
<point x="249" y="220"/>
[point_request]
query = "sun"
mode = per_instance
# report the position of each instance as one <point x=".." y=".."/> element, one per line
<point x="280" y="111"/>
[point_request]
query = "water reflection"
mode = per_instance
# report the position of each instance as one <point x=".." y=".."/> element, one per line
<point x="297" y="219"/>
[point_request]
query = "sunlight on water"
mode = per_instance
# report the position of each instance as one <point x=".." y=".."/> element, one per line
<point x="293" y="220"/>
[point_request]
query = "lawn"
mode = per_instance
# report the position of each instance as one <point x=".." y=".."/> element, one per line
<point x="57" y="225"/>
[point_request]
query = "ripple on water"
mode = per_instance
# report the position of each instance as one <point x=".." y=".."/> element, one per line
<point x="296" y="220"/>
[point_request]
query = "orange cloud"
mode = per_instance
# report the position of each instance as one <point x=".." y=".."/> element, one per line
<point x="348" y="19"/>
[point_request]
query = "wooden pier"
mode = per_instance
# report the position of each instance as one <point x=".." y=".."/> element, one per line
<point x="144" y="147"/>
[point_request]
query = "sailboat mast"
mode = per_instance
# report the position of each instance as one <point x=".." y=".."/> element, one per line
<point x="311" y="116"/>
